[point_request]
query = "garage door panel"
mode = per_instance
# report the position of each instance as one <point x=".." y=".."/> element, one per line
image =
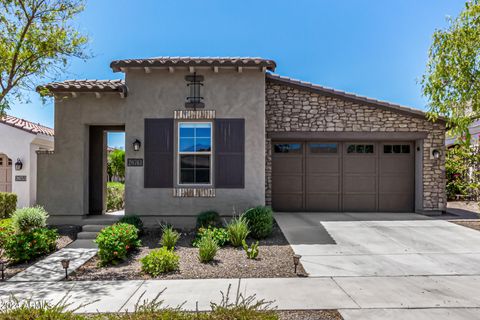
<point x="286" y="183"/>
<point x="395" y="184"/>
<point x="359" y="183"/>
<point x="288" y="202"/>
<point x="359" y="164"/>
<point x="288" y="165"/>
<point x="396" y="202"/>
<point x="359" y="202"/>
<point x="323" y="183"/>
<point x="323" y="165"/>
<point x="396" y="165"/>
<point x="323" y="202"/>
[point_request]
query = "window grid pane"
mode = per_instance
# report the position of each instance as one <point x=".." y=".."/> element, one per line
<point x="195" y="147"/>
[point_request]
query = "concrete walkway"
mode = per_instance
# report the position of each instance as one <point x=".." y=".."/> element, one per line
<point x="50" y="268"/>
<point x="355" y="297"/>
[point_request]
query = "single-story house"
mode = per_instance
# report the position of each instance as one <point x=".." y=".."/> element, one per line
<point x="19" y="141"/>
<point x="474" y="130"/>
<point x="224" y="134"/>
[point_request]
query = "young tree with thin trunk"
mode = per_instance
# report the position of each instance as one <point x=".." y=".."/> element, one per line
<point x="36" y="40"/>
<point x="452" y="79"/>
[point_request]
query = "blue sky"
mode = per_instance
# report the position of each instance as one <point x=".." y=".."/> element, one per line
<point x="376" y="48"/>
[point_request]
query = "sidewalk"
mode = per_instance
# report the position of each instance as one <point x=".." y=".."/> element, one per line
<point x="447" y="295"/>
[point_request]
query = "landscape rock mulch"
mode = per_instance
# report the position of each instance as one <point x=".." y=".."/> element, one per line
<point x="67" y="235"/>
<point x="310" y="315"/>
<point x="275" y="260"/>
<point x="473" y="224"/>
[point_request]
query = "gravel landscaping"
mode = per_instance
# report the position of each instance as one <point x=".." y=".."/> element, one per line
<point x="275" y="260"/>
<point x="67" y="235"/>
<point x="310" y="315"/>
<point x="473" y="224"/>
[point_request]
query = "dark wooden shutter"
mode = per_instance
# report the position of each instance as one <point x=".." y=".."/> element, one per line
<point x="229" y="153"/>
<point x="158" y="153"/>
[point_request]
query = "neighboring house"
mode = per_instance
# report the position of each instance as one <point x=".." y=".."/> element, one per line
<point x="474" y="132"/>
<point x="19" y="141"/>
<point x="225" y="134"/>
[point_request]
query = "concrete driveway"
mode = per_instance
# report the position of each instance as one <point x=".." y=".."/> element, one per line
<point x="380" y="244"/>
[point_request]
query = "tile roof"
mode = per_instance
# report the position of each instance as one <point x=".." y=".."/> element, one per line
<point x="194" y="62"/>
<point x="346" y="95"/>
<point x="27" y="126"/>
<point x="117" y="85"/>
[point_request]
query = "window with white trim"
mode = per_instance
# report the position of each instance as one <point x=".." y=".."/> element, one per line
<point x="195" y="153"/>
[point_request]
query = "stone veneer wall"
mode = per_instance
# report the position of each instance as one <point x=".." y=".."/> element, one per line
<point x="291" y="109"/>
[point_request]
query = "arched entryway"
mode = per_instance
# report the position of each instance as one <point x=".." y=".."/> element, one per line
<point x="5" y="173"/>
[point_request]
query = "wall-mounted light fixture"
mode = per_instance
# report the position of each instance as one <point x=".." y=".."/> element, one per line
<point x="18" y="165"/>
<point x="436" y="154"/>
<point x="136" y="145"/>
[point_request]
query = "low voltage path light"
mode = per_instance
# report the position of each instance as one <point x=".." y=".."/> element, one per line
<point x="3" y="265"/>
<point x="18" y="165"/>
<point x="296" y="261"/>
<point x="136" y="145"/>
<point x="65" y="265"/>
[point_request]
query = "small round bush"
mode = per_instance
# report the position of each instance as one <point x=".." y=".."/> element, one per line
<point x="160" y="261"/>
<point x="133" y="220"/>
<point x="220" y="235"/>
<point x="238" y="230"/>
<point x="29" y="219"/>
<point x="169" y="237"/>
<point x="20" y="247"/>
<point x="207" y="249"/>
<point x="114" y="242"/>
<point x="260" y="221"/>
<point x="208" y="218"/>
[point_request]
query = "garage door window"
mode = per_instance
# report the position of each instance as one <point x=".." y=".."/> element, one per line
<point x="323" y="147"/>
<point x="396" y="148"/>
<point x="288" y="148"/>
<point x="360" y="148"/>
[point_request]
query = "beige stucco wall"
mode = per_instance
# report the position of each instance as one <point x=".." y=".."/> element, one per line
<point x="152" y="95"/>
<point x="290" y="109"/>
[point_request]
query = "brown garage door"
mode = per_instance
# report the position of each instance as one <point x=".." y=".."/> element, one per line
<point x="343" y="176"/>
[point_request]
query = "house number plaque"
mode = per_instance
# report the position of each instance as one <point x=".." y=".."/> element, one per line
<point x="134" y="162"/>
<point x="20" y="178"/>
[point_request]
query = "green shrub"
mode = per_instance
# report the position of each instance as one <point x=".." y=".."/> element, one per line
<point x="260" y="221"/>
<point x="207" y="249"/>
<point x="237" y="230"/>
<point x="252" y="251"/>
<point x="133" y="220"/>
<point x="115" y="196"/>
<point x="40" y="310"/>
<point x="220" y="235"/>
<point x="20" y="247"/>
<point x="169" y="237"/>
<point x="207" y="219"/>
<point x="28" y="219"/>
<point x="8" y="204"/>
<point x="114" y="242"/>
<point x="160" y="261"/>
<point x="6" y="228"/>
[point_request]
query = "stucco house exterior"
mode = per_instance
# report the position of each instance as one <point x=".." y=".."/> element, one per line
<point x="225" y="134"/>
<point x="19" y="141"/>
